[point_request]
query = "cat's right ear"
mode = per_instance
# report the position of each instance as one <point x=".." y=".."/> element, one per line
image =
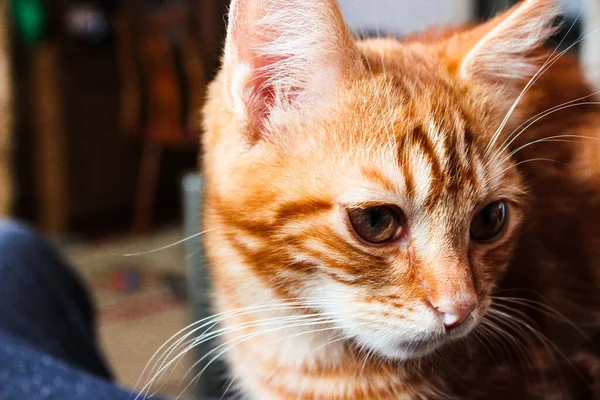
<point x="503" y="50"/>
<point x="284" y="54"/>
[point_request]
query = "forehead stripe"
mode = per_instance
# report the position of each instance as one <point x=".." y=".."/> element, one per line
<point x="455" y="170"/>
<point x="438" y="178"/>
<point x="303" y="208"/>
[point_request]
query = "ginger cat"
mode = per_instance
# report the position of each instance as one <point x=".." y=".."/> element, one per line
<point x="402" y="219"/>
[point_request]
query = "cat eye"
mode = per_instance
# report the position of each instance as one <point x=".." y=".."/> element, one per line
<point x="378" y="224"/>
<point x="489" y="222"/>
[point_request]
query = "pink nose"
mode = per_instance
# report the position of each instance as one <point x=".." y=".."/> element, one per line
<point x="454" y="314"/>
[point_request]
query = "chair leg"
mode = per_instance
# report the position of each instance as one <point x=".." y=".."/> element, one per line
<point x="147" y="187"/>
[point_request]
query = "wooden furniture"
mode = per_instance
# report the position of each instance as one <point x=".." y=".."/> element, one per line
<point x="163" y="88"/>
<point x="76" y="171"/>
<point x="6" y="184"/>
<point x="50" y="141"/>
<point x="96" y="123"/>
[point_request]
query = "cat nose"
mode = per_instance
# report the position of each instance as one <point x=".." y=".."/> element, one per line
<point x="454" y="314"/>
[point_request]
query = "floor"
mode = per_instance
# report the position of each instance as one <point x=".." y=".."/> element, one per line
<point x="139" y="301"/>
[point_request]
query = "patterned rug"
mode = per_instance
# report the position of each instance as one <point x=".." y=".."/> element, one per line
<point x="140" y="300"/>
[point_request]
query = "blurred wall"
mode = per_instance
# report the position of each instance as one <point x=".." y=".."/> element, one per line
<point x="407" y="16"/>
<point x="590" y="52"/>
<point x="404" y="16"/>
<point x="573" y="7"/>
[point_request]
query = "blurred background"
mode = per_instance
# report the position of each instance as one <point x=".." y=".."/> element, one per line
<point x="99" y="132"/>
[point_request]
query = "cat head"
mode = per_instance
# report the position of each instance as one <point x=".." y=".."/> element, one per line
<point x="369" y="180"/>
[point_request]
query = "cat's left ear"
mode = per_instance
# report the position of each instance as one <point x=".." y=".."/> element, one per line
<point x="503" y="50"/>
<point x="284" y="54"/>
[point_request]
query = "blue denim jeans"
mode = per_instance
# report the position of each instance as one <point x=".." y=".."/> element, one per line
<point x="48" y="348"/>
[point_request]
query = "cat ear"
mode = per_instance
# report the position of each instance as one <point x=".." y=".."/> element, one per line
<point x="505" y="50"/>
<point x="283" y="54"/>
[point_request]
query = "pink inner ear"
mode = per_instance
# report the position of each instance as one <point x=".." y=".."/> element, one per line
<point x="276" y="52"/>
<point x="259" y="97"/>
<point x="260" y="92"/>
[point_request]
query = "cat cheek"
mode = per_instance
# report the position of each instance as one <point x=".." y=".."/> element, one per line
<point x="491" y="260"/>
<point x="492" y="264"/>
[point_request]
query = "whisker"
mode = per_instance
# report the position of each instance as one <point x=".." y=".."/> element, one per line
<point x="370" y="352"/>
<point x="493" y="330"/>
<point x="212" y="320"/>
<point x="243" y="339"/>
<point x="556" y="138"/>
<point x="223" y="331"/>
<point x="546" y="310"/>
<point x="177" y="243"/>
<point x="530" y="358"/>
<point x="175" y="359"/>
<point x="543" y="116"/>
<point x="541" y="337"/>
<point x="508" y="141"/>
<point x="204" y="338"/>
<point x="548" y="59"/>
<point x="529" y="84"/>
<point x="481" y="329"/>
<point x="521" y="349"/>
<point x="530" y="160"/>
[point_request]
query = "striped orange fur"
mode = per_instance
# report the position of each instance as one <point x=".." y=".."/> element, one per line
<point x="303" y="124"/>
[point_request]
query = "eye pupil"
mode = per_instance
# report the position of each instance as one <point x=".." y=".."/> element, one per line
<point x="488" y="223"/>
<point x="378" y="216"/>
<point x="378" y="224"/>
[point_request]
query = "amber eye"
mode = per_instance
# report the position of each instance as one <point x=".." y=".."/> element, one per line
<point x="488" y="223"/>
<point x="377" y="224"/>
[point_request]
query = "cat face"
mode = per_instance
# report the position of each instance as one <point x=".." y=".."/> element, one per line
<point x="396" y="215"/>
<point x="365" y="180"/>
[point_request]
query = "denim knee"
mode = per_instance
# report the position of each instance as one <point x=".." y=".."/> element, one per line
<point x="16" y="237"/>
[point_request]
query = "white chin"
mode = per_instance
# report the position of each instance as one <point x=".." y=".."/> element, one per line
<point x="399" y="350"/>
<point x="408" y="351"/>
